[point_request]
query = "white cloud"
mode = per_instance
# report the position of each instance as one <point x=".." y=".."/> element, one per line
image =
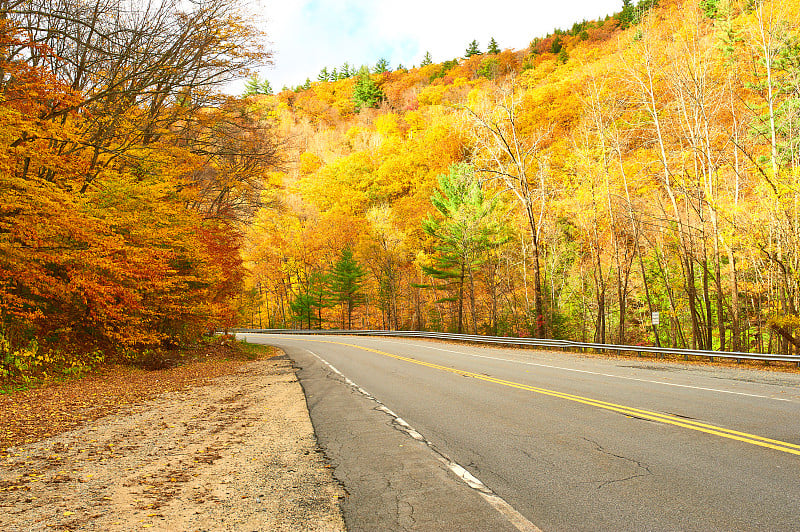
<point x="307" y="35"/>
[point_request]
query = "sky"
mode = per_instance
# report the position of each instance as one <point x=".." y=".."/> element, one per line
<point x="307" y="35"/>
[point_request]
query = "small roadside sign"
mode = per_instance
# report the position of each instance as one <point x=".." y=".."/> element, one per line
<point x="655" y="318"/>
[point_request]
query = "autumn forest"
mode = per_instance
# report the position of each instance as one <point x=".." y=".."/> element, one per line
<point x="648" y="162"/>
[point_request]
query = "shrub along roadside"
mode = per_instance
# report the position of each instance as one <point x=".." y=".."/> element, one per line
<point x="32" y="366"/>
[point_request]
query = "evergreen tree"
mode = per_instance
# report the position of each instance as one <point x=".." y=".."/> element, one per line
<point x="626" y="15"/>
<point x="366" y="92"/>
<point x="556" y="45"/>
<point x="381" y="66"/>
<point x="307" y="84"/>
<point x="323" y="74"/>
<point x="493" y="48"/>
<point x="578" y="27"/>
<point x="320" y="295"/>
<point x="464" y="232"/>
<point x="472" y="49"/>
<point x="257" y="86"/>
<point x="427" y="60"/>
<point x="307" y="306"/>
<point x="345" y="283"/>
<point x="335" y="75"/>
<point x="346" y="71"/>
<point x="302" y="307"/>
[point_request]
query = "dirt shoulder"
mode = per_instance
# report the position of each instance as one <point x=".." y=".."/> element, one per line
<point x="229" y="452"/>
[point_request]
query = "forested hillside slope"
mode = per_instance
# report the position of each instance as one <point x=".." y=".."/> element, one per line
<point x="644" y="163"/>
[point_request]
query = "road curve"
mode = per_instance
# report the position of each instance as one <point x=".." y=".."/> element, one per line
<point x="572" y="442"/>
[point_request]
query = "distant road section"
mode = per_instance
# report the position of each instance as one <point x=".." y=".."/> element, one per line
<point x="554" y="440"/>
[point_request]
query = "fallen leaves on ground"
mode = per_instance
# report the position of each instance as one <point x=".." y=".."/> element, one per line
<point x="31" y="415"/>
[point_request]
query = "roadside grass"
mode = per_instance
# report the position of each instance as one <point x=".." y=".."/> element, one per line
<point x="256" y="351"/>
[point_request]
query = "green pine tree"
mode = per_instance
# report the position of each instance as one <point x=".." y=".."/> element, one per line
<point x="381" y="66"/>
<point x="493" y="48"/>
<point x="427" y="60"/>
<point x="464" y="231"/>
<point x="323" y="75"/>
<point x="366" y="92"/>
<point x="625" y="16"/>
<point x="556" y="45"/>
<point x="307" y="306"/>
<point x="472" y="49"/>
<point x="302" y="308"/>
<point x="257" y="86"/>
<point x="345" y="283"/>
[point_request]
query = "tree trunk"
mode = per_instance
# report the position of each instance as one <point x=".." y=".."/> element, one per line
<point x="694" y="314"/>
<point x="461" y="300"/>
<point x="736" y="333"/>
<point x="473" y="310"/>
<point x="646" y="284"/>
<point x="537" y="276"/>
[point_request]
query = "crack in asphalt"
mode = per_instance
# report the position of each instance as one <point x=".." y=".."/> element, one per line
<point x="538" y="458"/>
<point x="639" y="464"/>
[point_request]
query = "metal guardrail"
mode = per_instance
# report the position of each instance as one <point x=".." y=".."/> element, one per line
<point x="536" y="342"/>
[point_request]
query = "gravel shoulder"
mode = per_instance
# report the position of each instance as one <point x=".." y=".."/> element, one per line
<point x="236" y="453"/>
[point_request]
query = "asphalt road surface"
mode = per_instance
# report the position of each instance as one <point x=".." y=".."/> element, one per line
<point x="552" y="440"/>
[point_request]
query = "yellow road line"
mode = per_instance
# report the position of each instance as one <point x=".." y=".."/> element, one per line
<point x="635" y="412"/>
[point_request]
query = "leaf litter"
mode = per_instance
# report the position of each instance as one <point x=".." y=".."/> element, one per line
<point x="222" y="443"/>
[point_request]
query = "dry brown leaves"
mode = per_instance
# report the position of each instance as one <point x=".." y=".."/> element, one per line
<point x="32" y="415"/>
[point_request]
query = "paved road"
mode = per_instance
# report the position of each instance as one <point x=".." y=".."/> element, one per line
<point x="570" y="442"/>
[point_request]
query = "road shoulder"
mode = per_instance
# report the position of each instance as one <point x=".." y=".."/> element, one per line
<point x="393" y="481"/>
<point x="236" y="454"/>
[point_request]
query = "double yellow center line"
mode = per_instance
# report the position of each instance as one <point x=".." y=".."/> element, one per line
<point x="658" y="417"/>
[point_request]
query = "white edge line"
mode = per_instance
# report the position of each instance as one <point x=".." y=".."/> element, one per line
<point x="495" y="501"/>
<point x="600" y="374"/>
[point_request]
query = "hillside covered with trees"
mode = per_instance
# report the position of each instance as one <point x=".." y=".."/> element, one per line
<point x="643" y="163"/>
